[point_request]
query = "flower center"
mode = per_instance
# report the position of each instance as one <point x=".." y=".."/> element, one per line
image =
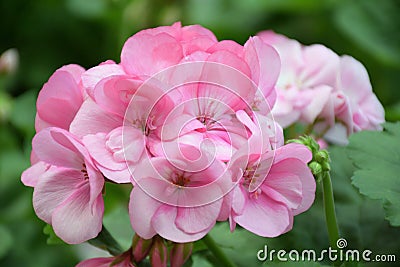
<point x="180" y="179"/>
<point x="84" y="171"/>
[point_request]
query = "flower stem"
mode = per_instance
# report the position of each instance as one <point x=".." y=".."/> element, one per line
<point x="329" y="207"/>
<point x="218" y="253"/>
<point x="107" y="242"/>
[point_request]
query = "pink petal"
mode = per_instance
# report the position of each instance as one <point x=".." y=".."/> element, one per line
<point x="74" y="70"/>
<point x="114" y="93"/>
<point x="322" y="66"/>
<point x="285" y="188"/>
<point x="31" y="176"/>
<point x="59" y="100"/>
<point x="93" y="76"/>
<point x="96" y="145"/>
<point x="96" y="181"/>
<point x="75" y="220"/>
<point x="320" y="96"/>
<point x="227" y="45"/>
<point x="195" y="31"/>
<point x="198" y="219"/>
<point x="293" y="150"/>
<point x="92" y="119"/>
<point x="52" y="188"/>
<point x="301" y="170"/>
<point x="145" y="54"/>
<point x="264" y="216"/>
<point x="238" y="199"/>
<point x="58" y="147"/>
<point x="354" y="79"/>
<point x="265" y="66"/>
<point x="164" y="224"/>
<point x="142" y="208"/>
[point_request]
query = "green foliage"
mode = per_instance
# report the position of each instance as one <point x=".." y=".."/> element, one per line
<point x="6" y="241"/>
<point x="373" y="26"/>
<point x="377" y="156"/>
<point x="106" y="242"/>
<point x="52" y="238"/>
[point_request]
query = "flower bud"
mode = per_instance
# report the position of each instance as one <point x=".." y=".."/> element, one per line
<point x="9" y="61"/>
<point x="140" y="247"/>
<point x="180" y="253"/>
<point x="322" y="156"/>
<point x="315" y="168"/>
<point x="158" y="253"/>
<point x="308" y="141"/>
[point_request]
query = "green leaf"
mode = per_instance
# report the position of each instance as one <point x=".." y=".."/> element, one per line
<point x="5" y="105"/>
<point x="6" y="241"/>
<point x="23" y="113"/>
<point x="12" y="163"/>
<point x="87" y="8"/>
<point x="373" y="26"/>
<point x="377" y="157"/>
<point x="118" y="223"/>
<point x="52" y="238"/>
<point x="107" y="242"/>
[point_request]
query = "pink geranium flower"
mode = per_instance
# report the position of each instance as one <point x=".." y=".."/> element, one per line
<point x="176" y="204"/>
<point x="288" y="188"/>
<point x="187" y="120"/>
<point x="67" y="186"/>
<point x="60" y="98"/>
<point x="272" y="185"/>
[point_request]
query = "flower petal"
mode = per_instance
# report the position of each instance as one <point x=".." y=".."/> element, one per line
<point x="75" y="220"/>
<point x="53" y="187"/>
<point x="264" y="216"/>
<point x="198" y="219"/>
<point x="164" y="224"/>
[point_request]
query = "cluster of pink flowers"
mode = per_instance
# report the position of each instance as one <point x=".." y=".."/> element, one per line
<point x="187" y="120"/>
<point x="318" y="88"/>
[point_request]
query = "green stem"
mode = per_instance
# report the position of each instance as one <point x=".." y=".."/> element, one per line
<point x="107" y="242"/>
<point x="329" y="207"/>
<point x="218" y="253"/>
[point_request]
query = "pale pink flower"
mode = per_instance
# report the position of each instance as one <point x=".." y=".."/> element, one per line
<point x="60" y="98"/>
<point x="318" y="88"/>
<point x="364" y="111"/>
<point x="308" y="77"/>
<point x="67" y="186"/>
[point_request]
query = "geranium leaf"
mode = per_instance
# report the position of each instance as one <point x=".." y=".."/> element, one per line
<point x="377" y="157"/>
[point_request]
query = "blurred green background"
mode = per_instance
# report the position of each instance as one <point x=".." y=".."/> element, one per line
<point x="48" y="34"/>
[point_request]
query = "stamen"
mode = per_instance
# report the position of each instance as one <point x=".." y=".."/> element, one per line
<point x="84" y="171"/>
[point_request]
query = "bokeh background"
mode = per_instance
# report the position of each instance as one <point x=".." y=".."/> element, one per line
<point x="48" y="34"/>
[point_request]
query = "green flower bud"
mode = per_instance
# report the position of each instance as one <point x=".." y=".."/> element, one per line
<point x="315" y="168"/>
